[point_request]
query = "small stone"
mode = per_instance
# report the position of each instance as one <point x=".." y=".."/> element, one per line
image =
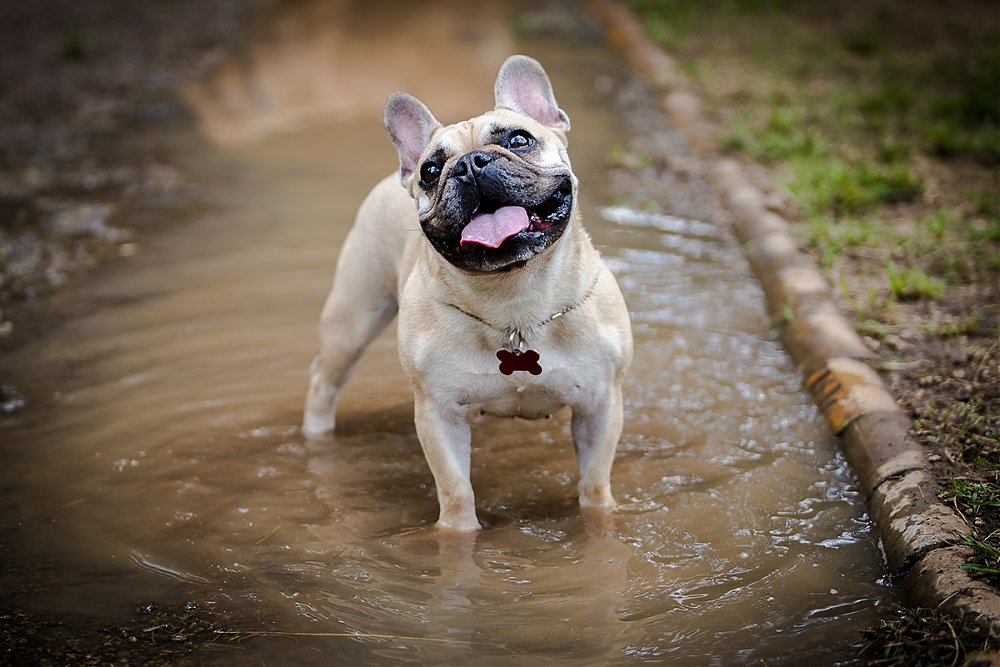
<point x="775" y="202"/>
<point x="11" y="400"/>
<point x="928" y="380"/>
<point x="897" y="342"/>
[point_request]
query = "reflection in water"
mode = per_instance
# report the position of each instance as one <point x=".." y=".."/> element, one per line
<point x="160" y="460"/>
<point x="342" y="58"/>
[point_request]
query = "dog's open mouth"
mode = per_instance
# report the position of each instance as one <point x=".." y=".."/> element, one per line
<point x="493" y="222"/>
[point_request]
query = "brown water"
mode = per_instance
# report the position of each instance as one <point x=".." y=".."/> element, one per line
<point x="160" y="461"/>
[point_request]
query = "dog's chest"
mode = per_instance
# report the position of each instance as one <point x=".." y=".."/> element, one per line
<point x="519" y="397"/>
<point x="522" y="394"/>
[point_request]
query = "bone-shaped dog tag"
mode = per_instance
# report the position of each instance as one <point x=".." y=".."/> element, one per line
<point x="519" y="360"/>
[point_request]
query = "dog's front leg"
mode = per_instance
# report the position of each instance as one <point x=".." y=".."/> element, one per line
<point x="446" y="439"/>
<point x="596" y="429"/>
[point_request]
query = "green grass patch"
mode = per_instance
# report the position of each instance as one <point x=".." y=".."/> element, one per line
<point x="892" y="98"/>
<point x="964" y="430"/>
<point x="927" y="637"/>
<point x="985" y="560"/>
<point x="831" y="236"/>
<point x="866" y="112"/>
<point x="75" y="43"/>
<point x="947" y="139"/>
<point x="781" y="137"/>
<point x="957" y="250"/>
<point x="833" y="186"/>
<point x="912" y="283"/>
<point x="989" y="234"/>
<point x="965" y="327"/>
<point x="873" y="328"/>
<point x="936" y="224"/>
<point x="972" y="497"/>
<point x="962" y="117"/>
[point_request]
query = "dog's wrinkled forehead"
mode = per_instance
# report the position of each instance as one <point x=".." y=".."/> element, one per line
<point x="493" y="129"/>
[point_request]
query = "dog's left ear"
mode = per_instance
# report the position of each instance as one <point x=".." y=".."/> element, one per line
<point x="523" y="86"/>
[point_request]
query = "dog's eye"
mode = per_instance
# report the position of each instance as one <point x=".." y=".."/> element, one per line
<point x="429" y="173"/>
<point x="519" y="139"/>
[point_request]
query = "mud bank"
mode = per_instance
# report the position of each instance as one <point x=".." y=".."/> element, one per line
<point x="80" y="85"/>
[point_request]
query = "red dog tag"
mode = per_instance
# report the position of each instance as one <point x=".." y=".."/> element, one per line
<point x="519" y="360"/>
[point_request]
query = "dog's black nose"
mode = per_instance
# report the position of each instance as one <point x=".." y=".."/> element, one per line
<point x="469" y="165"/>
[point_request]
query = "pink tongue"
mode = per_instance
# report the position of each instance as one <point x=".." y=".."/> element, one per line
<point x="492" y="229"/>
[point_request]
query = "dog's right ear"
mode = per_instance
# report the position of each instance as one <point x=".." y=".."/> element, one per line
<point x="411" y="126"/>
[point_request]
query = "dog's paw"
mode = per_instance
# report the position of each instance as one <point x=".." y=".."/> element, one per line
<point x="597" y="496"/>
<point x="316" y="427"/>
<point x="458" y="524"/>
<point x="321" y="407"/>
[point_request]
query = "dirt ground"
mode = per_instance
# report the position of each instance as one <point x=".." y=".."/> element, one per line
<point x="75" y="78"/>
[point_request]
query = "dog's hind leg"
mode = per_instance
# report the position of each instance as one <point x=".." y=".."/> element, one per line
<point x="361" y="304"/>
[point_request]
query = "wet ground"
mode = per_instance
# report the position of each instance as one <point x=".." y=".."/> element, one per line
<point x="158" y="464"/>
<point x="76" y="81"/>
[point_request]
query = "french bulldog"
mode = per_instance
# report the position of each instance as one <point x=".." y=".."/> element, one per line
<point x="505" y="307"/>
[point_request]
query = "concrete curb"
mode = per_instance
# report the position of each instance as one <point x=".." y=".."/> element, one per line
<point x="919" y="533"/>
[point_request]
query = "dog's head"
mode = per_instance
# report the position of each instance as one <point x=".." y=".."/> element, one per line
<point x="496" y="190"/>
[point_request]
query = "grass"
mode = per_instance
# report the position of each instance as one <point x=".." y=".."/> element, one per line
<point x="873" y="328"/>
<point x="831" y="185"/>
<point x="830" y="236"/>
<point x="989" y="234"/>
<point x="782" y="137"/>
<point x="912" y="283"/>
<point x="964" y="327"/>
<point x="926" y="637"/>
<point x="76" y="43"/>
<point x="823" y="180"/>
<point x="963" y="430"/>
<point x="936" y="224"/>
<point x="849" y="103"/>
<point x="985" y="561"/>
<point x="971" y="497"/>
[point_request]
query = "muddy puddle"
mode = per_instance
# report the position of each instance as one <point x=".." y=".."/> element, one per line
<point x="158" y="459"/>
